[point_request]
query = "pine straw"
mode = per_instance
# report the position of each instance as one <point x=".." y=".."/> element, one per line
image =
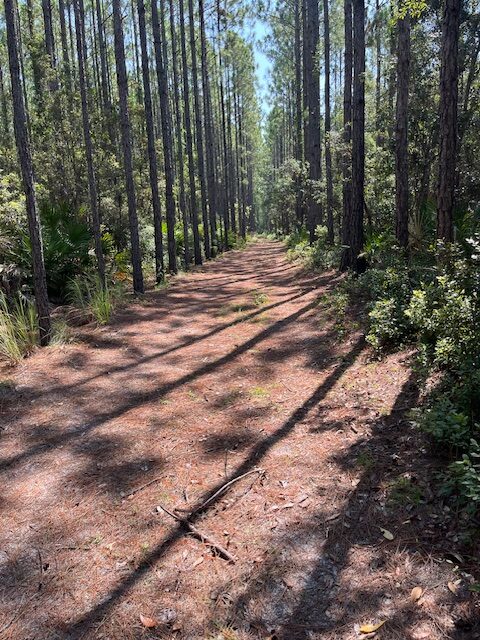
<point x="178" y="393"/>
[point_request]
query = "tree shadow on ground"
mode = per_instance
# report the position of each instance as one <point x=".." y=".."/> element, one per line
<point x="80" y="627"/>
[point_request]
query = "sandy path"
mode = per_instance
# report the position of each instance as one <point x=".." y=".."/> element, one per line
<point x="235" y="367"/>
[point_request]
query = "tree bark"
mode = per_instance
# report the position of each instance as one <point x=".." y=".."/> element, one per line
<point x="127" y="146"/>
<point x="313" y="142"/>
<point x="197" y="252"/>
<point x="199" y="132"/>
<point x="26" y="167"/>
<point x="166" y="138"/>
<point x="179" y="136"/>
<point x="209" y="139"/>
<point x="152" y="155"/>
<point x="347" y="138"/>
<point x="401" y="130"/>
<point x="328" y="152"/>
<point x="448" y="120"/>
<point x="358" y="136"/>
<point x="92" y="182"/>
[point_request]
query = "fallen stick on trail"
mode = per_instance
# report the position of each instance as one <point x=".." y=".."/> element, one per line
<point x="221" y="490"/>
<point x="221" y="551"/>
<point x="143" y="486"/>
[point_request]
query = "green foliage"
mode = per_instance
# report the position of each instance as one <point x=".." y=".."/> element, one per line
<point x="18" y="328"/>
<point x="404" y="492"/>
<point x="319" y="256"/>
<point x="462" y="481"/>
<point x="97" y="301"/>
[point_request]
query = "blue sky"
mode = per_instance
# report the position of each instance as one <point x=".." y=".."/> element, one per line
<point x="263" y="64"/>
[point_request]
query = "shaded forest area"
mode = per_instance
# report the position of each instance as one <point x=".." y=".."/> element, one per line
<point x="239" y="302"/>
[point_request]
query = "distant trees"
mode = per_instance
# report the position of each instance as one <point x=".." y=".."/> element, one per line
<point x="159" y="107"/>
<point x="381" y="191"/>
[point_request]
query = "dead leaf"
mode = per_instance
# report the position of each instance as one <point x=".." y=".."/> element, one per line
<point x="371" y="628"/>
<point x="453" y="588"/>
<point x="416" y="594"/>
<point x="148" y="622"/>
<point x="387" y="534"/>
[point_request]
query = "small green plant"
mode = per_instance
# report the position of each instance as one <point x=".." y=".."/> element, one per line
<point x="365" y="460"/>
<point x="404" y="492"/>
<point x="259" y="298"/>
<point x="18" y="328"/>
<point x="259" y="392"/>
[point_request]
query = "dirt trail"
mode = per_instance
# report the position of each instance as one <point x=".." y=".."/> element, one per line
<point x="237" y="366"/>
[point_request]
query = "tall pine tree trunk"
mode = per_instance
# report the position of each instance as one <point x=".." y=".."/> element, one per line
<point x="166" y="138"/>
<point x="26" y="167"/>
<point x="127" y="146"/>
<point x="328" y="152"/>
<point x="92" y="183"/>
<point x="401" y="130"/>
<point x="197" y="251"/>
<point x="313" y="142"/>
<point x="347" y="137"/>
<point x="209" y="139"/>
<point x="179" y="136"/>
<point x="199" y="132"/>
<point x="358" y="136"/>
<point x="448" y="119"/>
<point x="152" y="155"/>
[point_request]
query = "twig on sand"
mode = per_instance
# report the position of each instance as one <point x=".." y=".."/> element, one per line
<point x="223" y="488"/>
<point x="142" y="487"/>
<point x="221" y="551"/>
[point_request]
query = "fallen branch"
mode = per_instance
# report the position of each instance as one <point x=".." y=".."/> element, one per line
<point x="221" y="490"/>
<point x="221" y="551"/>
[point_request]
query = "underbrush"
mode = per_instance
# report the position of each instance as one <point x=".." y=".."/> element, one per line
<point x="96" y="301"/>
<point x="429" y="300"/>
<point x="19" y="334"/>
<point x="433" y="302"/>
<point x="320" y="255"/>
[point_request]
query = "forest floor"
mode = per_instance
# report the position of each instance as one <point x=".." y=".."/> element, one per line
<point x="238" y="367"/>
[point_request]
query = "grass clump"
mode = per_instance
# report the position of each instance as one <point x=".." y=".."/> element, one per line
<point x="18" y="328"/>
<point x="95" y="300"/>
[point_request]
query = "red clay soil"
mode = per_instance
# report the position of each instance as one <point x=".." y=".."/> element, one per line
<point x="237" y="367"/>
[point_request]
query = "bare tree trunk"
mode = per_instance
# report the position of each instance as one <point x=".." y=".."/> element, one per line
<point x="209" y="139"/>
<point x="64" y="40"/>
<point x="313" y="142"/>
<point x="378" y="65"/>
<point x="401" y="130"/>
<point x="298" y="107"/>
<point x="127" y="146"/>
<point x="199" y="132"/>
<point x="36" y="70"/>
<point x="92" y="183"/>
<point x="152" y="155"/>
<point x="347" y="138"/>
<point x="197" y="252"/>
<point x="179" y="136"/>
<point x="358" y="136"/>
<point x="328" y="152"/>
<point x="448" y="119"/>
<point x="224" y="149"/>
<point x="167" y="140"/>
<point x="26" y="167"/>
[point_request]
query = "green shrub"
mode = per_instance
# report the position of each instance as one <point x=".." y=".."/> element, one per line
<point x="462" y="480"/>
<point x="319" y="256"/>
